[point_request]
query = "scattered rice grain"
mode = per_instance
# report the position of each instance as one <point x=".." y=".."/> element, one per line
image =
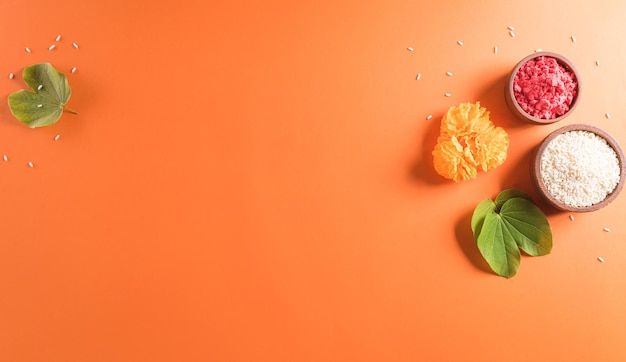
<point x="57" y="38"/>
<point x="51" y="47"/>
<point x="447" y="94"/>
<point x="597" y="63"/>
<point x="601" y="259"/>
<point x="573" y="39"/>
<point x="410" y="49"/>
<point x="73" y="70"/>
<point x="39" y="105"/>
<point x="606" y="230"/>
<point x="510" y="28"/>
<point x="11" y="76"/>
<point x="495" y="49"/>
<point x="75" y="45"/>
<point x="56" y="138"/>
<point x="27" y="49"/>
<point x="449" y="74"/>
<point x="512" y="34"/>
<point x="30" y="164"/>
<point x="419" y="76"/>
<point x="571" y="217"/>
<point x="459" y="42"/>
<point x="430" y="116"/>
<point x="538" y="50"/>
<point x="39" y="87"/>
<point x="5" y="158"/>
<point x="607" y="115"/>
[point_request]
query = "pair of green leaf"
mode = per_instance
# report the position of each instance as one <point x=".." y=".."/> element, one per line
<point x="504" y="226"/>
<point x="43" y="105"/>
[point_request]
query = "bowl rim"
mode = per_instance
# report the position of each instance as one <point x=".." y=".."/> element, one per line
<point x="542" y="189"/>
<point x="562" y="60"/>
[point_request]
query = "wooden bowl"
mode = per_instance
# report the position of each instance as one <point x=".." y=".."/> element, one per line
<point x="541" y="188"/>
<point x="516" y="109"/>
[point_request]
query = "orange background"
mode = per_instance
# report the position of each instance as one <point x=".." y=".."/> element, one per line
<point x="252" y="181"/>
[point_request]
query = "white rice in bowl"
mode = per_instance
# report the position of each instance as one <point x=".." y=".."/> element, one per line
<point x="579" y="168"/>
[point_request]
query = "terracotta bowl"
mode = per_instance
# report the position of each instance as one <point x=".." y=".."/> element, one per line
<point x="516" y="109"/>
<point x="541" y="188"/>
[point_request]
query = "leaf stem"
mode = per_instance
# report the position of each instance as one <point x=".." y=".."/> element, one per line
<point x="66" y="108"/>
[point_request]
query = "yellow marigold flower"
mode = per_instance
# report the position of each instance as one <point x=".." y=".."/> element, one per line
<point x="468" y="141"/>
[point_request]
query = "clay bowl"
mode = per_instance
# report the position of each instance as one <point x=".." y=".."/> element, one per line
<point x="516" y="109"/>
<point x="540" y="186"/>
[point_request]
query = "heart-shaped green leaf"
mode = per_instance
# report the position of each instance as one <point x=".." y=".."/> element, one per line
<point x="504" y="226"/>
<point x="44" y="105"/>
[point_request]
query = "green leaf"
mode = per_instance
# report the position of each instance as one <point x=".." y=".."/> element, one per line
<point x="498" y="247"/>
<point x="44" y="105"/>
<point x="504" y="226"/>
<point x="478" y="217"/>
<point x="506" y="195"/>
<point x="528" y="225"/>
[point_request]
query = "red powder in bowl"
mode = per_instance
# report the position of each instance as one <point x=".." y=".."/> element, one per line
<point x="544" y="88"/>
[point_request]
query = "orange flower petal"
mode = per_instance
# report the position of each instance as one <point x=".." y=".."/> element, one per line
<point x="452" y="160"/>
